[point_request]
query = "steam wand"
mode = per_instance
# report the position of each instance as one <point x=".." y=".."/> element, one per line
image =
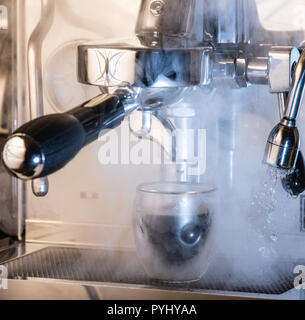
<point x="283" y="147"/>
<point x="293" y="183"/>
<point x="46" y="144"/>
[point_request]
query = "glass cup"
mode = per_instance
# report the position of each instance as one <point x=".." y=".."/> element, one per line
<point x="172" y="229"/>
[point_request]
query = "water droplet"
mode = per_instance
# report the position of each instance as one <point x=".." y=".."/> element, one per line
<point x="265" y="203"/>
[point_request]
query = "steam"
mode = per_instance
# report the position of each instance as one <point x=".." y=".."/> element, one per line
<point x="257" y="223"/>
<point x="256" y="227"/>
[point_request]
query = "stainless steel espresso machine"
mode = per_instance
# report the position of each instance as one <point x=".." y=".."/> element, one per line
<point x="86" y="102"/>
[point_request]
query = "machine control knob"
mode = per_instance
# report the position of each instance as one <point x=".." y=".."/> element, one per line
<point x="22" y="156"/>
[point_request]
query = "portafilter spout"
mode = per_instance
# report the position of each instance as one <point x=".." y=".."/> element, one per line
<point x="283" y="144"/>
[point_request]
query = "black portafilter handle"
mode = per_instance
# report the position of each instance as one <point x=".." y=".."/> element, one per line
<point x="45" y="145"/>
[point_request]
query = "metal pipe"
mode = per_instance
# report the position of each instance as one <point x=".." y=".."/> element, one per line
<point x="41" y="186"/>
<point x="18" y="188"/>
<point x="257" y="71"/>
<point x="296" y="91"/>
<point x="34" y="57"/>
<point x="282" y="102"/>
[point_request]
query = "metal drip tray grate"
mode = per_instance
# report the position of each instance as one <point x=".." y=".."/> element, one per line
<point x="92" y="265"/>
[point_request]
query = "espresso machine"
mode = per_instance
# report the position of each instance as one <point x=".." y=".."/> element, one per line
<point x="201" y="81"/>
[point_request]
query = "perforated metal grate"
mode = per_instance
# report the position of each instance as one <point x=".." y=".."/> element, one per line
<point x="92" y="265"/>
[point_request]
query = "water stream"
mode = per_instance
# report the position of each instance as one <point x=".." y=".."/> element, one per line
<point x="264" y="207"/>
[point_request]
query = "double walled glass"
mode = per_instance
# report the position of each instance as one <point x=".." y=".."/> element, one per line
<point x="172" y="229"/>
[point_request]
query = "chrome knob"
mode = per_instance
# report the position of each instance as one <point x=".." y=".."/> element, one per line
<point x="22" y="156"/>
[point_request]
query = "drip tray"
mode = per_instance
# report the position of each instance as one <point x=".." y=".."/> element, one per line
<point x="122" y="267"/>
